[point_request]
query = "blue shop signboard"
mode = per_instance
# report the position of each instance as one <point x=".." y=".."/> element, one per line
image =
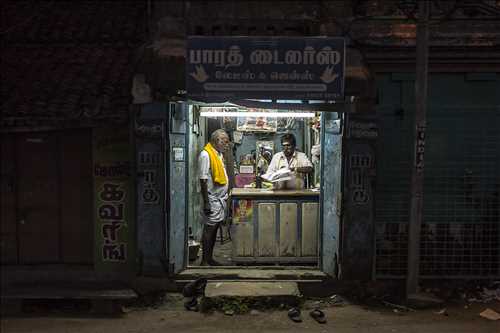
<point x="233" y="68"/>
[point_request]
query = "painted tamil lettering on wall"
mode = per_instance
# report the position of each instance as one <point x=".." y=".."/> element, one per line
<point x="110" y="211"/>
<point x="360" y="163"/>
<point x="275" y="67"/>
<point x="420" y="149"/>
<point x="113" y="198"/>
<point x="148" y="164"/>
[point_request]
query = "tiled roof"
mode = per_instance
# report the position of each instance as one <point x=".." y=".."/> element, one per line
<point x="73" y="21"/>
<point x="72" y="67"/>
<point x="56" y="83"/>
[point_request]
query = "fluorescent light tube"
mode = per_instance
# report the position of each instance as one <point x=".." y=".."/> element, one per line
<point x="257" y="114"/>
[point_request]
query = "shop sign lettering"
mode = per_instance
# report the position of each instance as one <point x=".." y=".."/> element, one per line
<point x="112" y="170"/>
<point x="363" y="130"/>
<point x="420" y="149"/>
<point x="111" y="219"/>
<point x="246" y="67"/>
<point x="149" y="158"/>
<point x="153" y="130"/>
<point x="113" y="212"/>
<point x="150" y="195"/>
<point x="359" y="165"/>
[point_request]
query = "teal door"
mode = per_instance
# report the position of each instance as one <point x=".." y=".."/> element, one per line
<point x="150" y="126"/>
<point x="177" y="187"/>
<point x="331" y="165"/>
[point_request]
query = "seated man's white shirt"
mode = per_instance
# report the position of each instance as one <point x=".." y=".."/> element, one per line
<point x="217" y="194"/>
<point x="298" y="160"/>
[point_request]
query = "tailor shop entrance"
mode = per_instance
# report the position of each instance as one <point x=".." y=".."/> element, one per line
<point x="283" y="164"/>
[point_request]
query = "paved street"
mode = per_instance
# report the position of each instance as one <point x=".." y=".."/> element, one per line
<point x="346" y="319"/>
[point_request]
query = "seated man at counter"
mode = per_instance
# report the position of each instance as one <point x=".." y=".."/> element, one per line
<point x="214" y="188"/>
<point x="292" y="159"/>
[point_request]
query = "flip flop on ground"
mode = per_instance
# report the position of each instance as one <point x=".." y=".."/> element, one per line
<point x="294" y="315"/>
<point x="318" y="315"/>
<point x="191" y="305"/>
<point x="195" y="288"/>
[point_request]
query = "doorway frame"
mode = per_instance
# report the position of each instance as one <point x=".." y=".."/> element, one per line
<point x="339" y="110"/>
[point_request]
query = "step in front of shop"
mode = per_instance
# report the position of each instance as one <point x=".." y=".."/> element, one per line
<point x="306" y="279"/>
<point x="104" y="300"/>
<point x="251" y="274"/>
<point x="240" y="296"/>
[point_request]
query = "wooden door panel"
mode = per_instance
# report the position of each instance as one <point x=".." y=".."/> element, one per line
<point x="310" y="222"/>
<point x="76" y="195"/>
<point x="267" y="242"/>
<point x="8" y="231"/>
<point x="38" y="197"/>
<point x="288" y="229"/>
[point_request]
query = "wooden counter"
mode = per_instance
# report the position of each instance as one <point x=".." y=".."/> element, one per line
<point x="260" y="192"/>
<point x="275" y="226"/>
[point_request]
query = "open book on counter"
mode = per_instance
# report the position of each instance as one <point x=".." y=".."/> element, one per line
<point x="278" y="176"/>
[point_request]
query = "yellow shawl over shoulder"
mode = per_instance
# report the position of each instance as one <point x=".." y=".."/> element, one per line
<point x="218" y="175"/>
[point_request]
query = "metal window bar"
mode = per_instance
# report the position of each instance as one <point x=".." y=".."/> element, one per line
<point x="460" y="235"/>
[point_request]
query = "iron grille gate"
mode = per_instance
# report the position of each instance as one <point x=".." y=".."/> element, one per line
<point x="460" y="235"/>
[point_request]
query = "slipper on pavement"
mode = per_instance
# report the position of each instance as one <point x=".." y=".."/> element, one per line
<point x="294" y="315"/>
<point x="318" y="315"/>
<point x="195" y="288"/>
<point x="191" y="305"/>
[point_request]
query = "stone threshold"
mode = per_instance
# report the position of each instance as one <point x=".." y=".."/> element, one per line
<point x="256" y="274"/>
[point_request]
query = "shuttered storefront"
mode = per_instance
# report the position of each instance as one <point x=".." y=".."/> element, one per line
<point x="46" y="198"/>
<point x="461" y="224"/>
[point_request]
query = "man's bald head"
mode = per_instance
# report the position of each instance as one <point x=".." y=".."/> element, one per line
<point x="220" y="140"/>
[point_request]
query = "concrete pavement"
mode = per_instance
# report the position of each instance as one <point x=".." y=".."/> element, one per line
<point x="170" y="317"/>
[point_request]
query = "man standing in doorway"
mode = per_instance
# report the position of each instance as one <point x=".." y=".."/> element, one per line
<point x="214" y="190"/>
<point x="290" y="158"/>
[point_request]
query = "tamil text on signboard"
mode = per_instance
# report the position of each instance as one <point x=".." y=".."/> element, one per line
<point x="265" y="67"/>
